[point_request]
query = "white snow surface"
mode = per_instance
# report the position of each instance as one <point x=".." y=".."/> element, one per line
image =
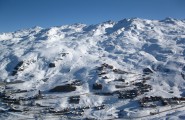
<point x="77" y="50"/>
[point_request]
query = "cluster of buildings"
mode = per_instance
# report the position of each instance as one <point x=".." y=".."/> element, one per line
<point x="128" y="94"/>
<point x="154" y="101"/>
<point x="140" y="88"/>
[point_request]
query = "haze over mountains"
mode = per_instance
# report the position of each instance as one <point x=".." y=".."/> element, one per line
<point x="132" y="50"/>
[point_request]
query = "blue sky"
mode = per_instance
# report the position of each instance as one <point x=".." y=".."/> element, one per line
<point x="20" y="14"/>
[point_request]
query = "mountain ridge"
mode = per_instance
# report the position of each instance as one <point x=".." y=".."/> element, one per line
<point x="167" y="19"/>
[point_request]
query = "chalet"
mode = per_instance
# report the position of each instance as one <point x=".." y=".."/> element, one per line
<point x="105" y="77"/>
<point x="129" y="94"/>
<point x="164" y="102"/>
<point x="86" y="107"/>
<point x="153" y="113"/>
<point x="118" y="71"/>
<point x="152" y="99"/>
<point x="104" y="65"/>
<point x="156" y="98"/>
<point x="74" y="99"/>
<point x="102" y="73"/>
<point x="144" y="91"/>
<point x="173" y="101"/>
<point x="104" y="93"/>
<point x="182" y="99"/>
<point x="77" y="83"/>
<point x="110" y="67"/>
<point x="9" y="100"/>
<point x="120" y="79"/>
<point x="63" y="88"/>
<point x="76" y="112"/>
<point x="143" y="87"/>
<point x="139" y="84"/>
<point x="58" y="111"/>
<point x="20" y="91"/>
<point x="17" y="102"/>
<point x="146" y="78"/>
<point x="170" y="91"/>
<point x="107" y="66"/>
<point x="120" y="86"/>
<point x="64" y="54"/>
<point x="99" y="107"/>
<point x="22" y="98"/>
<point x="90" y="118"/>
<point x="15" y="82"/>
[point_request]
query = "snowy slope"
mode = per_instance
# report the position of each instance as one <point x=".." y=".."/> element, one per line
<point x="77" y="50"/>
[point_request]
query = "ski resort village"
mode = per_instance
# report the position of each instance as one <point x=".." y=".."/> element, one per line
<point x="130" y="69"/>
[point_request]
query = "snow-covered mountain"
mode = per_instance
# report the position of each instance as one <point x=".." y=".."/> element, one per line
<point x="102" y="62"/>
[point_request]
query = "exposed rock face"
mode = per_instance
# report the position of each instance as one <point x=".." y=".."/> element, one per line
<point x="51" y="65"/>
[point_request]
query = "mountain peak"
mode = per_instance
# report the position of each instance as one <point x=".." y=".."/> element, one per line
<point x="169" y="20"/>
